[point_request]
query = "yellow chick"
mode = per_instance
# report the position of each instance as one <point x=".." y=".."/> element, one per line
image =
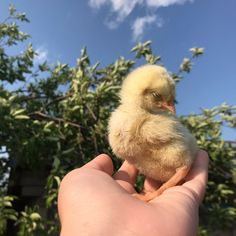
<point x="145" y="131"/>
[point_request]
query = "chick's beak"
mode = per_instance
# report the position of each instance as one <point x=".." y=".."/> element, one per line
<point x="170" y="106"/>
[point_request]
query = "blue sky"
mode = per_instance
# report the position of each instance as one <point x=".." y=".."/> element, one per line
<point x="110" y="28"/>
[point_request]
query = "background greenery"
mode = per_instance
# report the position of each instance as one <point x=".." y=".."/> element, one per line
<point x="53" y="118"/>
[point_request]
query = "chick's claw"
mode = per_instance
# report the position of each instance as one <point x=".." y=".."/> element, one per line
<point x="146" y="197"/>
<point x="142" y="197"/>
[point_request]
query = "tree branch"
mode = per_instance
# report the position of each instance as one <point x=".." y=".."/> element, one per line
<point x="41" y="116"/>
<point x="58" y="99"/>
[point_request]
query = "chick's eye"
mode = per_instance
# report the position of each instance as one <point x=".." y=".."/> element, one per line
<point x="156" y="95"/>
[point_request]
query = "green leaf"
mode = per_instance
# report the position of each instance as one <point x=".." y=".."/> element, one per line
<point x="151" y="59"/>
<point x="95" y="67"/>
<point x="34" y="226"/>
<point x="46" y="130"/>
<point x="75" y="108"/>
<point x="12" y="98"/>
<point x="43" y="67"/>
<point x="8" y="198"/>
<point x="35" y="216"/>
<point x="196" y="51"/>
<point x="56" y="162"/>
<point x="12" y="9"/>
<point x="52" y="138"/>
<point x="58" y="180"/>
<point x="68" y="151"/>
<point x="22" y="117"/>
<point x="17" y="112"/>
<point x="186" y="65"/>
<point x="36" y="122"/>
<point x="22" y="17"/>
<point x="12" y="217"/>
<point x="24" y="214"/>
<point x="49" y="124"/>
<point x="7" y="203"/>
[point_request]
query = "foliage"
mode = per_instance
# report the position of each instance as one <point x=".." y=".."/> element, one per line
<point x="7" y="211"/>
<point x="29" y="222"/>
<point x="218" y="210"/>
<point x="55" y="119"/>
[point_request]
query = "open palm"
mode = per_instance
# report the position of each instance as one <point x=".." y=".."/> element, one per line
<point x="95" y="201"/>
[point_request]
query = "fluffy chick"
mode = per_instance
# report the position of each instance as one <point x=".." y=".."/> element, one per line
<point x="145" y="131"/>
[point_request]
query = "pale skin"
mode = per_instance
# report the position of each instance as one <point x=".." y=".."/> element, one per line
<point x="93" y="200"/>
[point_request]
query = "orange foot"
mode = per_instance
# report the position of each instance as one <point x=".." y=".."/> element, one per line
<point x="146" y="197"/>
<point x="173" y="181"/>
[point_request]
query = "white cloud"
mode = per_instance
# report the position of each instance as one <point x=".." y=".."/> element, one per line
<point x="164" y="3"/>
<point x="41" y="55"/>
<point x="97" y="3"/>
<point x="141" y="23"/>
<point x="121" y="9"/>
<point x="124" y="7"/>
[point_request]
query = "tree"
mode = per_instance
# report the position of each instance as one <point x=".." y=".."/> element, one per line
<point x="55" y="119"/>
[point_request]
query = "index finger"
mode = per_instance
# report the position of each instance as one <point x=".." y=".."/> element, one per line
<point x="102" y="162"/>
<point x="126" y="176"/>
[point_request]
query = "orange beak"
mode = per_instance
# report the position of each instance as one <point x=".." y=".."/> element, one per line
<point x="170" y="106"/>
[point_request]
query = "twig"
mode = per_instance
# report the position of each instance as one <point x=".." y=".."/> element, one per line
<point x="91" y="112"/>
<point x="39" y="115"/>
<point x="28" y="98"/>
<point x="58" y="99"/>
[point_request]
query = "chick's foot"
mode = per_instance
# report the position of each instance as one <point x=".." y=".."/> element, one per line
<point x="146" y="197"/>
<point x="173" y="181"/>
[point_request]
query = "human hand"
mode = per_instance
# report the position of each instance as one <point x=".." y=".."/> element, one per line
<point x="93" y="201"/>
